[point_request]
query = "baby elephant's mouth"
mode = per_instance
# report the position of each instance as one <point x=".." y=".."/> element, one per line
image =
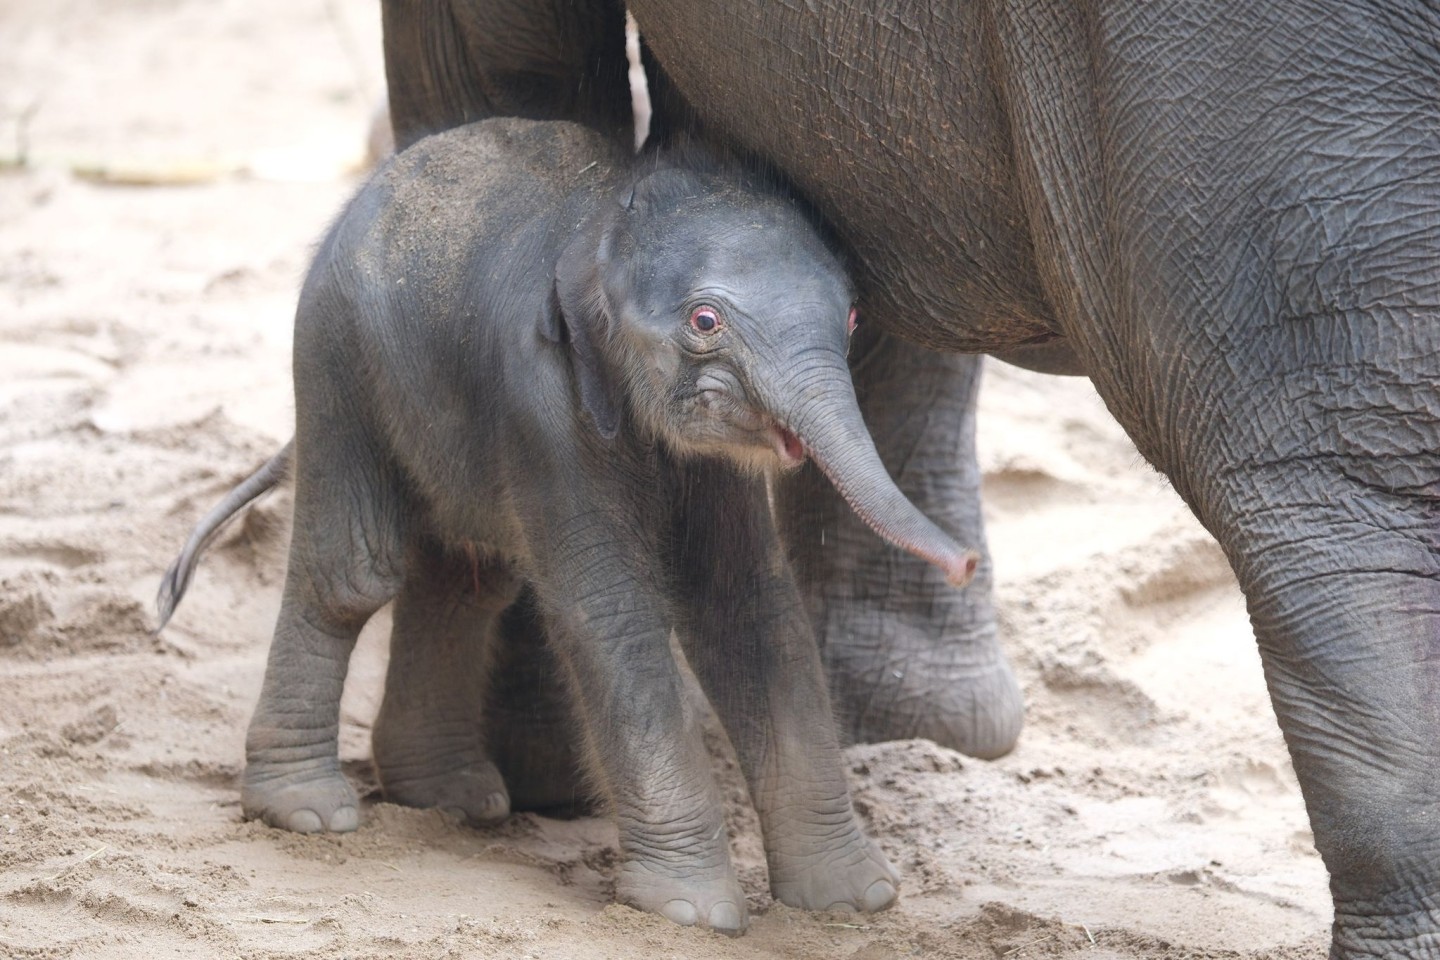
<point x="730" y="424"/>
<point x="788" y="447"/>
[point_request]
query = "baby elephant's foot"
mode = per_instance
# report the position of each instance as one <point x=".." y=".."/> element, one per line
<point x="716" y="903"/>
<point x="854" y="879"/>
<point x="305" y="803"/>
<point x="474" y="792"/>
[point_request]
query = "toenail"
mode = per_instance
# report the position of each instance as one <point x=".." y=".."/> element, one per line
<point x="344" y="820"/>
<point x="879" y="895"/>
<point x="841" y="906"/>
<point x="680" y="911"/>
<point x="726" y="917"/>
<point x="304" y="821"/>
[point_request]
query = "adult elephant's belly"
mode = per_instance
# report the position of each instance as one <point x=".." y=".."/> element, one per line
<point x="888" y="121"/>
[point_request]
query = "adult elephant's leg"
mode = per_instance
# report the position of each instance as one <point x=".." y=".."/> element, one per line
<point x="908" y="655"/>
<point x="1340" y="563"/>
<point x="1248" y="226"/>
<point x="1317" y="465"/>
<point x="449" y="62"/>
<point x="429" y="740"/>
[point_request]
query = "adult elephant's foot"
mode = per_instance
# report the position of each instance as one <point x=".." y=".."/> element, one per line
<point x="956" y="690"/>
<point x="307" y="800"/>
<point x="710" y="899"/>
<point x="908" y="655"/>
<point x="850" y="876"/>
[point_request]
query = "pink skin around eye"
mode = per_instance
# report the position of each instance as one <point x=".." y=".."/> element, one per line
<point x="705" y="321"/>
<point x="850" y="324"/>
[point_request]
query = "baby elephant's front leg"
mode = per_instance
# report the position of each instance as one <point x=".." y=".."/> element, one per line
<point x="751" y="645"/>
<point x="611" y="632"/>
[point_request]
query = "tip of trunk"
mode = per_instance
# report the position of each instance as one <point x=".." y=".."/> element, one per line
<point x="829" y="425"/>
<point x="890" y="514"/>
<point x="961" y="573"/>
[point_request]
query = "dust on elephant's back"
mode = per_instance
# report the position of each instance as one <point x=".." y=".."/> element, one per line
<point x="487" y="182"/>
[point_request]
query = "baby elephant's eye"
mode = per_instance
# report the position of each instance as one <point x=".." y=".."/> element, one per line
<point x="705" y="320"/>
<point x="850" y="323"/>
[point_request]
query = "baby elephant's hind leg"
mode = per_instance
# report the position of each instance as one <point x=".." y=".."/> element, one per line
<point x="529" y="723"/>
<point x="344" y="565"/>
<point x="429" y="740"/>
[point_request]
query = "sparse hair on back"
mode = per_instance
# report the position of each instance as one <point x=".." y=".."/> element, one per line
<point x="696" y="162"/>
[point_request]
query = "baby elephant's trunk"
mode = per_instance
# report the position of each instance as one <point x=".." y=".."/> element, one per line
<point x="820" y="408"/>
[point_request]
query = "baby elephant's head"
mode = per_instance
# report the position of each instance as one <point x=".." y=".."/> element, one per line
<point x="711" y="313"/>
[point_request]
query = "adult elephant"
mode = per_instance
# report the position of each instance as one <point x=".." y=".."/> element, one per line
<point x="1228" y="216"/>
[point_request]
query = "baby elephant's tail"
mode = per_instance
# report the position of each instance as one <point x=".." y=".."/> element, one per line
<point x="177" y="578"/>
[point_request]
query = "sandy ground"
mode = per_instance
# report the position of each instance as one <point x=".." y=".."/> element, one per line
<point x="1149" y="811"/>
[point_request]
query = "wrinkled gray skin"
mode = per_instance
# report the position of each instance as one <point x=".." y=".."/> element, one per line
<point x="504" y="383"/>
<point x="1225" y="214"/>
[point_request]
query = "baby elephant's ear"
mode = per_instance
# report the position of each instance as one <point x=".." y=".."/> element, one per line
<point x="579" y="319"/>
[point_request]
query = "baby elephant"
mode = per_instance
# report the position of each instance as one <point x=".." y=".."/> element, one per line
<point x="524" y="359"/>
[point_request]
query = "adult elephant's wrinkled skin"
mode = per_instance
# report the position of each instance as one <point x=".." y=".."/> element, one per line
<point x="1228" y="216"/>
